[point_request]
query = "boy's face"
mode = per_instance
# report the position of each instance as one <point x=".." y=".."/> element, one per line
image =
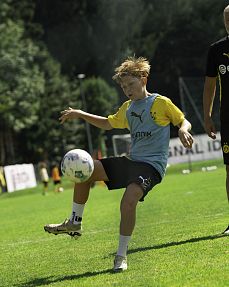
<point x="226" y="20"/>
<point x="133" y="87"/>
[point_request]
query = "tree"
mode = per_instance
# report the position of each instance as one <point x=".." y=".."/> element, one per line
<point x="101" y="100"/>
<point x="175" y="37"/>
<point x="21" y="84"/>
<point x="32" y="90"/>
<point x="90" y="37"/>
<point x="46" y="138"/>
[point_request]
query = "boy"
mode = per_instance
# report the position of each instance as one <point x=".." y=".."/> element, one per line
<point x="147" y="116"/>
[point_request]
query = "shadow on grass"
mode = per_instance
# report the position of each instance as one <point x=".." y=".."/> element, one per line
<point x="177" y="243"/>
<point x="53" y="279"/>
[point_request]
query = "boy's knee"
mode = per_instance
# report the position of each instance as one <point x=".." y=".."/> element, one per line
<point x="86" y="184"/>
<point x="127" y="205"/>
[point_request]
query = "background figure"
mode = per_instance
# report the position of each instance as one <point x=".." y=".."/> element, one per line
<point x="44" y="177"/>
<point x="217" y="67"/>
<point x="56" y="178"/>
<point x="2" y="180"/>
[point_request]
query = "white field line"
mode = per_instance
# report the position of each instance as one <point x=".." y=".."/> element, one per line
<point x="64" y="236"/>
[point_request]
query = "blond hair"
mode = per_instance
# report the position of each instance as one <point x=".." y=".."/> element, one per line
<point x="137" y="67"/>
<point x="226" y="10"/>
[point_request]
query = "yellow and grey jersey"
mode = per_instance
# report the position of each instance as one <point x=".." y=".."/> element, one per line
<point x="163" y="111"/>
<point x="148" y="120"/>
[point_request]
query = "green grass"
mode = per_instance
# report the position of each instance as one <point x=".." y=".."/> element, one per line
<point x="176" y="241"/>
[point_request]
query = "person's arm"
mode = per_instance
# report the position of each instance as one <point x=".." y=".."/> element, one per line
<point x="184" y="135"/>
<point x="208" y="99"/>
<point x="172" y="114"/>
<point x="98" y="121"/>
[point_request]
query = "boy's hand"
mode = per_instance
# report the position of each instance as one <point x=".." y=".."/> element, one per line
<point x="185" y="138"/>
<point x="69" y="114"/>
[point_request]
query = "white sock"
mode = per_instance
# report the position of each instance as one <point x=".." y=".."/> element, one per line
<point x="123" y="245"/>
<point x="77" y="212"/>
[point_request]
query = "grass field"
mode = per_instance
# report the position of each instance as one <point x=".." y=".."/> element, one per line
<point x="176" y="241"/>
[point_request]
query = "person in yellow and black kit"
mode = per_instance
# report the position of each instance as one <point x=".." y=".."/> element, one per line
<point x="217" y="67"/>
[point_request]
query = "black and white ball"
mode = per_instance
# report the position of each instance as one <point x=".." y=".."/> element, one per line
<point x="77" y="165"/>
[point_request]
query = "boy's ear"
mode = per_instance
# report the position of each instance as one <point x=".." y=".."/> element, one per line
<point x="144" y="80"/>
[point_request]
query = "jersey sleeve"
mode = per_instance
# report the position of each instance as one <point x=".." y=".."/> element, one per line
<point x="119" y="119"/>
<point x="211" y="67"/>
<point x="174" y="113"/>
<point x="165" y="112"/>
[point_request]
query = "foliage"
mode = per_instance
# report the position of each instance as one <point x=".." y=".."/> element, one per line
<point x="90" y="36"/>
<point x="21" y="80"/>
<point x="101" y="99"/>
<point x="47" y="139"/>
<point x="32" y="93"/>
<point x="31" y="88"/>
<point x="44" y="45"/>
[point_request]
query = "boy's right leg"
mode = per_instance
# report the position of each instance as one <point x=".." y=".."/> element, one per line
<point x="128" y="206"/>
<point x="73" y="226"/>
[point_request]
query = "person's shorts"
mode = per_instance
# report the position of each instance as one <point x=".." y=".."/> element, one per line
<point x="122" y="171"/>
<point x="225" y="143"/>
<point x="57" y="182"/>
<point x="45" y="183"/>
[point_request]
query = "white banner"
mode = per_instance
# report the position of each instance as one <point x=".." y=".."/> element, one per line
<point x="19" y="176"/>
<point x="204" y="148"/>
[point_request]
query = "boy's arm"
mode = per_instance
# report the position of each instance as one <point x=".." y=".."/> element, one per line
<point x="98" y="121"/>
<point x="184" y="135"/>
<point x="175" y="116"/>
<point x="208" y="99"/>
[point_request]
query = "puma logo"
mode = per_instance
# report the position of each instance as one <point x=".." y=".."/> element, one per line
<point x="145" y="182"/>
<point x="153" y="116"/>
<point x="226" y="54"/>
<point x="133" y="114"/>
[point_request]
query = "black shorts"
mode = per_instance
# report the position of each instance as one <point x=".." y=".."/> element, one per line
<point x="122" y="171"/>
<point x="225" y="142"/>
<point x="57" y="182"/>
<point x="45" y="183"/>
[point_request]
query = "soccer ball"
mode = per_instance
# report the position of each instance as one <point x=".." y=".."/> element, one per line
<point x="77" y="165"/>
<point x="60" y="189"/>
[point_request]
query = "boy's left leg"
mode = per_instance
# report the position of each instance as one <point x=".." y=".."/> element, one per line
<point x="129" y="202"/>
<point x="73" y="225"/>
